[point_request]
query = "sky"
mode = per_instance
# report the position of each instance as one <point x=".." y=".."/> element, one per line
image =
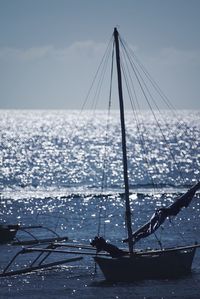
<point x="50" y="49"/>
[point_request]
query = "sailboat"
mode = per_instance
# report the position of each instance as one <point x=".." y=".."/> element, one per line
<point x="135" y="264"/>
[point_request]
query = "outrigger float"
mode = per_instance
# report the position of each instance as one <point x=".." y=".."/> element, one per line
<point x="42" y="254"/>
<point x="8" y="235"/>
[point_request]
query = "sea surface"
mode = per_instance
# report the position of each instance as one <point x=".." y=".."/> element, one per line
<point x="63" y="170"/>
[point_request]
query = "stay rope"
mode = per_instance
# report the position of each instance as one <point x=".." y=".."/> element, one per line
<point x="144" y="87"/>
<point x="105" y="156"/>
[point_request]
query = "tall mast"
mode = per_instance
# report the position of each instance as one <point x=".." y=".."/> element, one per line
<point x="123" y="131"/>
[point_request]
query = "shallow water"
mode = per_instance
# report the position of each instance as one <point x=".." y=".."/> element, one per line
<point x="51" y="174"/>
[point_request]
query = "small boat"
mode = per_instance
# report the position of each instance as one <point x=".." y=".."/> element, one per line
<point x="132" y="264"/>
<point x="8" y="234"/>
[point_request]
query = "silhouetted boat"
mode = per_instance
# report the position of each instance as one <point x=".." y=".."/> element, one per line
<point x="8" y="233"/>
<point x="117" y="264"/>
<point x="149" y="264"/>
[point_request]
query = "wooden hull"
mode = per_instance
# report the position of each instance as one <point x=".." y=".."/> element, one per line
<point x="148" y="265"/>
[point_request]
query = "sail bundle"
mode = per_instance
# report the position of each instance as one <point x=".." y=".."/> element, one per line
<point x="161" y="214"/>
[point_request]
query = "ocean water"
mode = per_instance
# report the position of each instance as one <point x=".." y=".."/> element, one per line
<point x="63" y="170"/>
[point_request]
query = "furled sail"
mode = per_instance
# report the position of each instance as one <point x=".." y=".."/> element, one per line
<point x="161" y="214"/>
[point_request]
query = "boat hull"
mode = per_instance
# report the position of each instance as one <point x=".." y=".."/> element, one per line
<point x="155" y="265"/>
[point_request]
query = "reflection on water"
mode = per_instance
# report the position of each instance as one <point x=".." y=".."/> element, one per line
<point x="51" y="174"/>
<point x="65" y="149"/>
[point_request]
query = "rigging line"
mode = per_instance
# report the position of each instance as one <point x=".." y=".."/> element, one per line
<point x="152" y="111"/>
<point x="157" y="88"/>
<point x="161" y="93"/>
<point x="145" y="85"/>
<point x="108" y="124"/>
<point x="167" y="126"/>
<point x="101" y="79"/>
<point x="141" y="135"/>
<point x="152" y="80"/>
<point x="110" y="94"/>
<point x="96" y="74"/>
<point x="99" y="75"/>
<point x="158" y="240"/>
<point x="92" y="85"/>
<point x="153" y="84"/>
<point x="104" y="182"/>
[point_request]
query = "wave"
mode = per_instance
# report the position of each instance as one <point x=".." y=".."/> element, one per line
<point x="140" y="190"/>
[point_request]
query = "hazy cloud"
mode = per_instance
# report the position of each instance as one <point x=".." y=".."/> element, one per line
<point x="172" y="56"/>
<point x="87" y="49"/>
<point x="91" y="49"/>
<point x="43" y="74"/>
<point x="24" y="54"/>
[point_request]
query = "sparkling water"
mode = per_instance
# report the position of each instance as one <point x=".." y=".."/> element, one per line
<point x="63" y="169"/>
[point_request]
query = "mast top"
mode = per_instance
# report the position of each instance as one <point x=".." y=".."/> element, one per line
<point x="116" y="31"/>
